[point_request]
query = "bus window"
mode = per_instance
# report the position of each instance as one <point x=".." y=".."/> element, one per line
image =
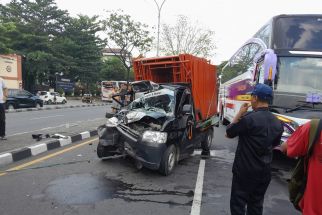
<point x="242" y="62"/>
<point x="264" y="34"/>
<point x="299" y="33"/>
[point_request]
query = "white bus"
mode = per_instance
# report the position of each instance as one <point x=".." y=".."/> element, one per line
<point x="285" y="54"/>
<point x="108" y="89"/>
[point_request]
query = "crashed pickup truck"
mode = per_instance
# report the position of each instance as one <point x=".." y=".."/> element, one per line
<point x="157" y="130"/>
<point x="166" y="125"/>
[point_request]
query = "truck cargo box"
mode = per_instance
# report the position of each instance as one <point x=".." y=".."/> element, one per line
<point x="183" y="68"/>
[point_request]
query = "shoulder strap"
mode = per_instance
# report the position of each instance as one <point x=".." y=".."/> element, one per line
<point x="315" y="131"/>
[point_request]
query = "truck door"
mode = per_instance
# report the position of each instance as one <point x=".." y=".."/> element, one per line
<point x="186" y="125"/>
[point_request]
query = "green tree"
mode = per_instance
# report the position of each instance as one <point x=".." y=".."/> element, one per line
<point x="50" y="41"/>
<point x="127" y="35"/>
<point x="113" y="69"/>
<point x="81" y="43"/>
<point x="38" y="23"/>
<point x="7" y="31"/>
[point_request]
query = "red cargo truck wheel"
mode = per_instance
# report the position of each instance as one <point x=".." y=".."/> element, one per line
<point x="207" y="141"/>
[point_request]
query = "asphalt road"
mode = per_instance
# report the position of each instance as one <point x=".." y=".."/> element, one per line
<point x="21" y="125"/>
<point x="76" y="182"/>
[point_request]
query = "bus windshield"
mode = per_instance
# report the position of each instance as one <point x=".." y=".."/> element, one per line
<point x="298" y="78"/>
<point x="298" y="33"/>
<point x="299" y="75"/>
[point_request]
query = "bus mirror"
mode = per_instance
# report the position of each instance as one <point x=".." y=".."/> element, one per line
<point x="270" y="63"/>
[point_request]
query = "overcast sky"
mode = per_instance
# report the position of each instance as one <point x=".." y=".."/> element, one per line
<point x="234" y="21"/>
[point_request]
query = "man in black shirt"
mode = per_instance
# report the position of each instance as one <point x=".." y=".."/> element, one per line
<point x="259" y="132"/>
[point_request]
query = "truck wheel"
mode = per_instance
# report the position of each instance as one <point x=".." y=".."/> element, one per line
<point x="207" y="141"/>
<point x="104" y="151"/>
<point x="168" y="161"/>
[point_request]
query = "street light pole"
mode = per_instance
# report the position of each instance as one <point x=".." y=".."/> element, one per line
<point x="159" y="16"/>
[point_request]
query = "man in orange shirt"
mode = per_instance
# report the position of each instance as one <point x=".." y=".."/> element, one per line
<point x="297" y="146"/>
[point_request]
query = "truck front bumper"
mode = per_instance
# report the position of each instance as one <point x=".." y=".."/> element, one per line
<point x="150" y="155"/>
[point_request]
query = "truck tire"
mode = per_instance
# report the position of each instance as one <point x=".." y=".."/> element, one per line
<point x="207" y="141"/>
<point x="105" y="151"/>
<point x="168" y="161"/>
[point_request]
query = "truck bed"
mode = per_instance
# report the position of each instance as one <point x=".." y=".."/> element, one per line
<point x="184" y="68"/>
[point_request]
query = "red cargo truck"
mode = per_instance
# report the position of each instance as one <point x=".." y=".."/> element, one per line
<point x="166" y="125"/>
<point x="184" y="68"/>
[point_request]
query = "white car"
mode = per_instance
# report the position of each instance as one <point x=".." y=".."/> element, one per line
<point x="52" y="97"/>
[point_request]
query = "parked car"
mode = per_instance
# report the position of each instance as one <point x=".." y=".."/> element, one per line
<point x="52" y="97"/>
<point x="22" y="99"/>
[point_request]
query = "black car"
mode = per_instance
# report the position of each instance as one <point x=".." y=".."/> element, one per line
<point x="22" y="99"/>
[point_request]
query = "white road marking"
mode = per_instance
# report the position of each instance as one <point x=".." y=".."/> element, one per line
<point x="46" y="117"/>
<point x="198" y="152"/>
<point x="43" y="129"/>
<point x="196" y="204"/>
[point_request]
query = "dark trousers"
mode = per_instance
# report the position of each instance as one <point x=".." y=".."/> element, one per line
<point x="2" y="120"/>
<point x="247" y="195"/>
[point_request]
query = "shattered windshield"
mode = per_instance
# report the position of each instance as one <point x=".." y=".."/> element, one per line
<point x="160" y="101"/>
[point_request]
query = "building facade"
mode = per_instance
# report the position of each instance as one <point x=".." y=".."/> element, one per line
<point x="11" y="70"/>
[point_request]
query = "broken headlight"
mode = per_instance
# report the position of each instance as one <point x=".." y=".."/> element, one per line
<point x="154" y="137"/>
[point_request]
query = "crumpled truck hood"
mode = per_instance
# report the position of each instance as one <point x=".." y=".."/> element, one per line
<point x="134" y="116"/>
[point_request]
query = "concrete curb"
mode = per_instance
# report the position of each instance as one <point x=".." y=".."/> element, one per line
<point x="56" y="107"/>
<point x="23" y="153"/>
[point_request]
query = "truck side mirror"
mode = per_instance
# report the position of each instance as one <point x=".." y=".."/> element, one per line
<point x="186" y="109"/>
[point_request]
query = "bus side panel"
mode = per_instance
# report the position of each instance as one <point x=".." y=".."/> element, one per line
<point x="237" y="93"/>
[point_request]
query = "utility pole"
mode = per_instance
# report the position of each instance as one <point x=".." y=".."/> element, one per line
<point x="159" y="16"/>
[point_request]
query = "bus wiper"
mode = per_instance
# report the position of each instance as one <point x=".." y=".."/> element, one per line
<point x="300" y="107"/>
<point x="276" y="106"/>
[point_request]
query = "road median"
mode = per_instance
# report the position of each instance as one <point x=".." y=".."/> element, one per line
<point x="36" y="149"/>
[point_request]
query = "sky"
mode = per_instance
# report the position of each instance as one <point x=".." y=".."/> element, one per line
<point x="233" y="21"/>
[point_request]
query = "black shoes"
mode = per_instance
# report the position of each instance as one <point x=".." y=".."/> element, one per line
<point x="3" y="138"/>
